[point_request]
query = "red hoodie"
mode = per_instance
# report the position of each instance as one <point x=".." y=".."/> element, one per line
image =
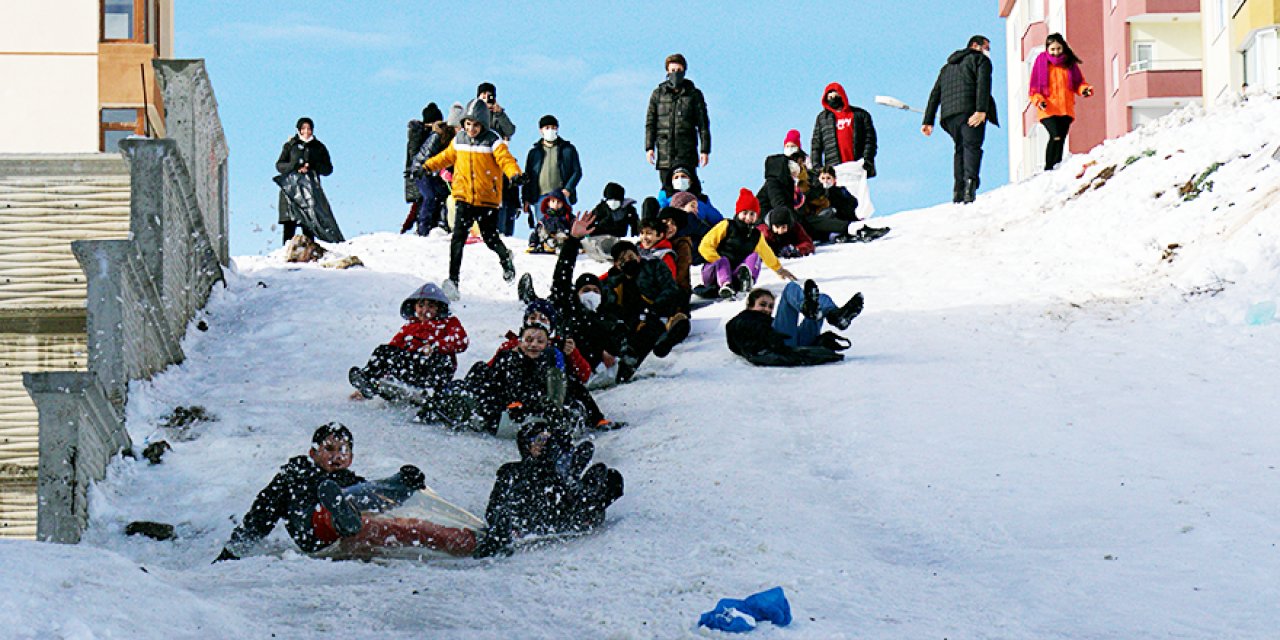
<point x="445" y="336"/>
<point x="844" y="121"/>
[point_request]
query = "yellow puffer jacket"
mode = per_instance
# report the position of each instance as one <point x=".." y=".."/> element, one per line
<point x="478" y="166"/>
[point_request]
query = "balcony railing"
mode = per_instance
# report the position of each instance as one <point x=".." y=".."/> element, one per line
<point x="1165" y="64"/>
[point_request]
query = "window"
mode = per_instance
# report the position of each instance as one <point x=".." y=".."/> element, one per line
<point x="1143" y="58"/>
<point x="124" y="20"/>
<point x="1115" y="74"/>
<point x="1036" y="11"/>
<point x="118" y="124"/>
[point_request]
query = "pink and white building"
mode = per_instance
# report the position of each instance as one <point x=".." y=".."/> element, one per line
<point x="1143" y="57"/>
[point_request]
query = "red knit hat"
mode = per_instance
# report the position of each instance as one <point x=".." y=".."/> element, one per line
<point x="747" y="201"/>
<point x="793" y="137"/>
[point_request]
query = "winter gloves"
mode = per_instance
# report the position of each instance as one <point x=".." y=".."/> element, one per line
<point x="412" y="477"/>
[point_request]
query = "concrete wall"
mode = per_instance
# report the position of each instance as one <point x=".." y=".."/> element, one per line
<point x="48" y="60"/>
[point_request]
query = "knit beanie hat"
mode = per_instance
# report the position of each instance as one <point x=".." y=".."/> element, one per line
<point x="587" y="279"/>
<point x="432" y="113"/>
<point x="487" y="87"/>
<point x="545" y="308"/>
<point x="793" y="137"/>
<point x="682" y="199"/>
<point x="614" y="191"/>
<point x="679" y="170"/>
<point x="548" y="121"/>
<point x="747" y="202"/>
<point x="780" y="216"/>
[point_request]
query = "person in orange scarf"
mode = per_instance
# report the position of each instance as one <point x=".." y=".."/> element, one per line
<point x="1055" y="81"/>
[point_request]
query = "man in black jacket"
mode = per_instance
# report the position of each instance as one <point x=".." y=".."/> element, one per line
<point x="963" y="91"/>
<point x="552" y="164"/>
<point x="842" y="133"/>
<point x="675" y="125"/>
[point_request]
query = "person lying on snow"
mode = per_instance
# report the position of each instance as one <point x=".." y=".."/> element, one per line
<point x="734" y="249"/>
<point x="422" y="357"/>
<point x="642" y="295"/>
<point x="786" y="238"/>
<point x="546" y="492"/>
<point x="527" y="378"/>
<point x="778" y="341"/>
<point x="315" y="496"/>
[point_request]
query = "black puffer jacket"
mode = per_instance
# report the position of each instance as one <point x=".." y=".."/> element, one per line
<point x="511" y="378"/>
<point x="676" y="124"/>
<point x="417" y="133"/>
<point x="750" y="334"/>
<point x="293" y="155"/>
<point x="740" y="240"/>
<point x="592" y="332"/>
<point x="825" y="148"/>
<point x="291" y="496"/>
<point x="779" y="189"/>
<point x="963" y="87"/>
<point x="624" y="222"/>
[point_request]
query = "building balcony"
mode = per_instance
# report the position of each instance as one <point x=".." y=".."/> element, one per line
<point x="1189" y="64"/>
<point x="1157" y="82"/>
<point x="1136" y="8"/>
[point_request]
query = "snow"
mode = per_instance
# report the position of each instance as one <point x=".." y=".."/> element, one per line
<point x="1043" y="430"/>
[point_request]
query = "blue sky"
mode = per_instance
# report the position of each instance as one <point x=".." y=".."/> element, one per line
<point x="363" y="69"/>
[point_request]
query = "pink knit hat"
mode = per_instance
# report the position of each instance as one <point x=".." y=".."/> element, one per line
<point x="793" y="137"/>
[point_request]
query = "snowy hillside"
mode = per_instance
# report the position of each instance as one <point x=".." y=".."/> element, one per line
<point x="1053" y="423"/>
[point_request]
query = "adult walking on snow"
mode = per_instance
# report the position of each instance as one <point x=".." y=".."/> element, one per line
<point x="302" y="161"/>
<point x="501" y="123"/>
<point x="844" y="136"/>
<point x="480" y="158"/>
<point x="1055" y="81"/>
<point x="963" y="92"/>
<point x="676" y="125"/>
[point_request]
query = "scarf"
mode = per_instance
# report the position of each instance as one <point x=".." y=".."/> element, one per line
<point x="1040" y="74"/>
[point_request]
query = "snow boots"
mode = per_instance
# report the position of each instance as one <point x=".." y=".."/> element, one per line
<point x="809" y="308"/>
<point x="677" y="330"/>
<point x="346" y="518"/>
<point x="362" y="383"/>
<point x="524" y="289"/>
<point x="841" y="317"/>
<point x="508" y="268"/>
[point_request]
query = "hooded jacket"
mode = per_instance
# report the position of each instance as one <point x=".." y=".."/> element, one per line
<point x="676" y="124"/>
<point x="293" y="155"/>
<point x="555" y="223"/>
<point x="794" y="237"/>
<point x="661" y="251"/>
<point x="478" y="163"/>
<point x="779" y="188"/>
<point x="824" y="146"/>
<point x="963" y="87"/>
<point x="567" y="162"/>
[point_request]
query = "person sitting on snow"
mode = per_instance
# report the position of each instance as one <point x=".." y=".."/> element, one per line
<point x="784" y="236"/>
<point x="682" y="246"/>
<point x="597" y="336"/>
<point x="615" y="218"/>
<point x="423" y="356"/>
<point x="319" y="498"/>
<point x="655" y="246"/>
<point x="643" y="296"/>
<point x="546" y="492"/>
<point x="830" y="208"/>
<point x="734" y="249"/>
<point x="778" y="341"/>
<point x="552" y="223"/>
<point x="543" y="312"/>
<point x="529" y="379"/>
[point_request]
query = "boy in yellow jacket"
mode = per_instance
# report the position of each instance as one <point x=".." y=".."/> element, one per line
<point x="479" y="158"/>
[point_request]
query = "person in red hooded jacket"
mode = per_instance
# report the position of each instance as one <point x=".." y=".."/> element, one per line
<point x="842" y="133"/>
<point x="422" y="355"/>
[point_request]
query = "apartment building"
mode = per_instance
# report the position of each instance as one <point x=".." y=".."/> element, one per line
<point x="1241" y="48"/>
<point x="1143" y="57"/>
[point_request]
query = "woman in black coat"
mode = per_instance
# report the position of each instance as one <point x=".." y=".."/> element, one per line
<point x="303" y="153"/>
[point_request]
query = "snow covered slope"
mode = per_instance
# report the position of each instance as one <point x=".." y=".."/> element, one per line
<point x="1051" y="425"/>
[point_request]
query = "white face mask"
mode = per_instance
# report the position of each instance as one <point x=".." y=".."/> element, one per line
<point x="590" y="299"/>
<point x="550" y="135"/>
<point x="790" y="150"/>
<point x="681" y="184"/>
<point x="987" y="53"/>
<point x="828" y="183"/>
<point x="614" y="204"/>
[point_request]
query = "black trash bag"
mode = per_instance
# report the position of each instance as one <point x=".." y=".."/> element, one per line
<point x="308" y="205"/>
